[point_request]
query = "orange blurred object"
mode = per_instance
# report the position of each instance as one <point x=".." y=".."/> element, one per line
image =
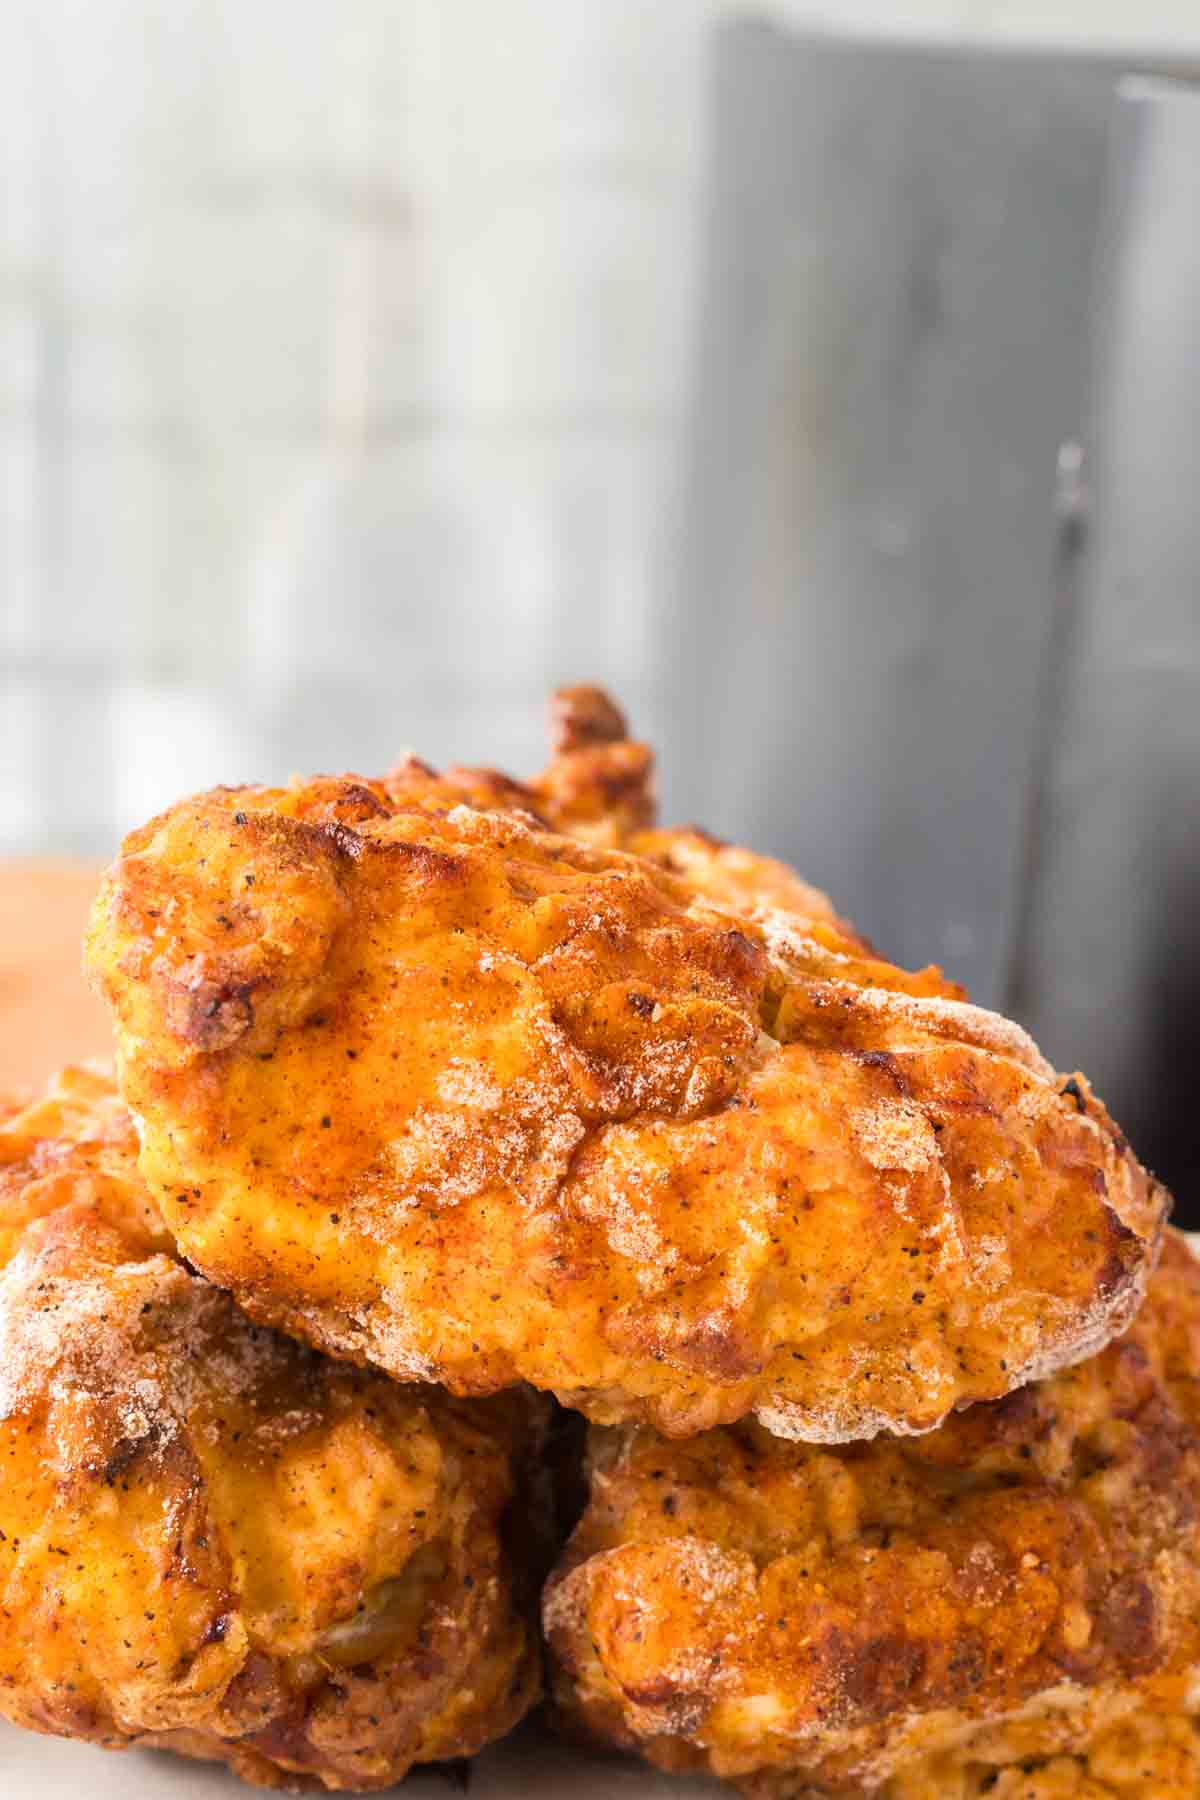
<point x="48" y="1014"/>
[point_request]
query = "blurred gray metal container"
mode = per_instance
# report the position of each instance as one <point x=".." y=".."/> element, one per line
<point x="894" y="348"/>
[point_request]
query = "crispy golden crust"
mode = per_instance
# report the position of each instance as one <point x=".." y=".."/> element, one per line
<point x="212" y="1539"/>
<point x="744" y="882"/>
<point x="1011" y="1586"/>
<point x="1142" y="1744"/>
<point x="436" y="1087"/>
<point x="599" y="786"/>
<point x="1144" y="1755"/>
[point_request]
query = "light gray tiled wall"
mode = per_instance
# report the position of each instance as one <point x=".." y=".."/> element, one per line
<point x="342" y="356"/>
<point x="340" y="368"/>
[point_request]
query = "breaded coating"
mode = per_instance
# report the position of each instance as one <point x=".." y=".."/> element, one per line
<point x="599" y="785"/>
<point x="434" y="1074"/>
<point x="213" y="1540"/>
<point x="1151" y="1753"/>
<point x="1018" y="1591"/>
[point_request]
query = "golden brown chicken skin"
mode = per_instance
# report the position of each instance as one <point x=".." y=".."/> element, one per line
<point x="437" y="1087"/>
<point x="906" y="1617"/>
<point x="211" y="1539"/>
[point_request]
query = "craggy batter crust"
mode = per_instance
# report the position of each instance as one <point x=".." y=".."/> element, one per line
<point x="1009" y="1606"/>
<point x="211" y="1539"/>
<point x="1146" y="1755"/>
<point x="484" y="1082"/>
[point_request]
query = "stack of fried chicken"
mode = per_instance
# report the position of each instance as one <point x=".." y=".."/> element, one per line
<point x="446" y="1102"/>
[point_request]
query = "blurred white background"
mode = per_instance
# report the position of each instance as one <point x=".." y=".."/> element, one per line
<point x="343" y="367"/>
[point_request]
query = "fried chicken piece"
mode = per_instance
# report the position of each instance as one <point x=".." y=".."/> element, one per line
<point x="1152" y="1753"/>
<point x="599" y="785"/>
<point x="211" y="1539"/>
<point x="435" y="1086"/>
<point x="899" y="1617"/>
